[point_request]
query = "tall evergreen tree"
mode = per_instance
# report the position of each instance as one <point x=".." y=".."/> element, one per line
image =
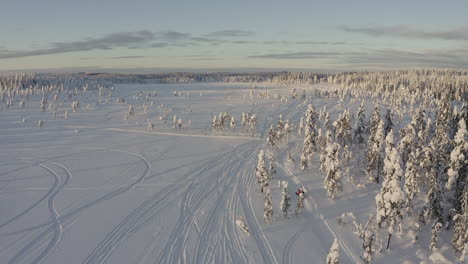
<point x="391" y="198"/>
<point x="388" y="122"/>
<point x="375" y="154"/>
<point x="334" y="253"/>
<point x="458" y="165"/>
<point x="268" y="207"/>
<point x="360" y="127"/>
<point x="434" y="195"/>
<point x="285" y="199"/>
<point x="332" y="182"/>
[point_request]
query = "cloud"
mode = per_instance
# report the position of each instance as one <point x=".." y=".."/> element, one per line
<point x="231" y="33"/>
<point x="107" y="42"/>
<point x="129" y="57"/>
<point x="304" y="55"/>
<point x="406" y="31"/>
<point x="142" y="39"/>
<point x="172" y="35"/>
<point x="241" y="42"/>
<point x="396" y="58"/>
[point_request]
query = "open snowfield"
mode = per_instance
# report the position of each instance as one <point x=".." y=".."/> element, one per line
<point x="95" y="188"/>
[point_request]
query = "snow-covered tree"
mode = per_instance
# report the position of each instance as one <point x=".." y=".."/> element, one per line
<point x="460" y="232"/>
<point x="261" y="171"/>
<point x="131" y="111"/>
<point x="407" y="143"/>
<point x="434" y="195"/>
<point x="361" y="125"/>
<point x="374" y="121"/>
<point x="285" y="199"/>
<point x="310" y="137"/>
<point x="388" y="122"/>
<point x="271" y="167"/>
<point x="367" y="246"/>
<point x="433" y="244"/>
<point x="332" y="182"/>
<point x="268" y="207"/>
<point x="293" y="93"/>
<point x="458" y="168"/>
<point x="391" y="198"/>
<point x="412" y="178"/>
<point x="375" y="154"/>
<point x="232" y="124"/>
<point x="334" y="253"/>
<point x="343" y="129"/>
<point x="271" y="138"/>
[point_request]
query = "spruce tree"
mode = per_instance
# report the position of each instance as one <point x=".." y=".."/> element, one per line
<point x="388" y="122"/>
<point x="332" y="182"/>
<point x="334" y="253"/>
<point x="434" y="195"/>
<point x="458" y="168"/>
<point x="268" y="207"/>
<point x="375" y="154"/>
<point x="360" y="126"/>
<point x="391" y="198"/>
<point x="285" y="199"/>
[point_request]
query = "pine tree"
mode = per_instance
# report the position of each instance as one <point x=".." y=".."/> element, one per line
<point x="375" y="154"/>
<point x="343" y="129"/>
<point x="391" y="199"/>
<point x="458" y="168"/>
<point x="306" y="149"/>
<point x="412" y="178"/>
<point x="360" y="126"/>
<point x="374" y="122"/>
<point x="388" y="122"/>
<point x="271" y="136"/>
<point x="408" y="142"/>
<point x="261" y="171"/>
<point x="285" y="199"/>
<point x="268" y="208"/>
<point x="434" y="195"/>
<point x="367" y="246"/>
<point x="435" y="235"/>
<point x="334" y="253"/>
<point x="332" y="182"/>
<point x="460" y="230"/>
<point x="271" y="168"/>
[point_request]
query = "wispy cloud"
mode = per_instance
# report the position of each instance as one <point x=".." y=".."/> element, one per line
<point x="406" y="31"/>
<point x="398" y="58"/>
<point x="231" y="33"/>
<point x="379" y="58"/>
<point x="107" y="42"/>
<point x="142" y="39"/>
<point x="130" y="57"/>
<point x="304" y="55"/>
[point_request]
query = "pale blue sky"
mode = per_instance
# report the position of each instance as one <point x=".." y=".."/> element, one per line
<point x="214" y="34"/>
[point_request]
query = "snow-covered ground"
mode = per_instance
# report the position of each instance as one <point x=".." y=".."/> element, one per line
<point x="95" y="188"/>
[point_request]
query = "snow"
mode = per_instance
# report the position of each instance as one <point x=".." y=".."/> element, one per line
<point x="89" y="187"/>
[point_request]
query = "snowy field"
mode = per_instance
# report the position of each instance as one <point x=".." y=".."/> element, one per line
<point x="104" y="186"/>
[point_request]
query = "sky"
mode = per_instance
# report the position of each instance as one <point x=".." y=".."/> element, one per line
<point x="217" y="35"/>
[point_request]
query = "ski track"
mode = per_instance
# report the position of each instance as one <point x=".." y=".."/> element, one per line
<point x="37" y="241"/>
<point x="142" y="215"/>
<point x="343" y="243"/>
<point x="288" y="256"/>
<point x="57" y="224"/>
<point x="197" y="194"/>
